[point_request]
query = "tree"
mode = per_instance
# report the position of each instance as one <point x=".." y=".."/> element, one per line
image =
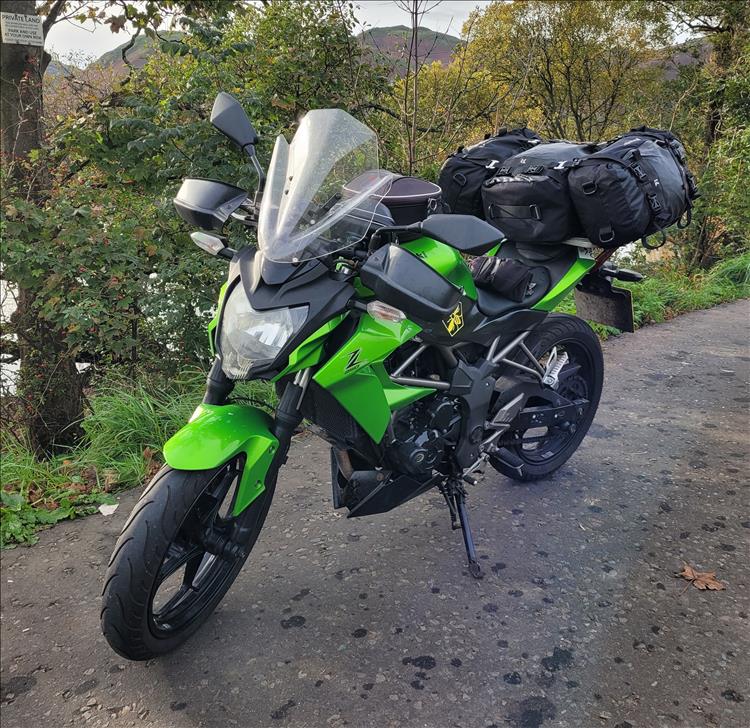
<point x="429" y="107"/>
<point x="722" y="99"/>
<point x="575" y="66"/>
<point x="49" y="385"/>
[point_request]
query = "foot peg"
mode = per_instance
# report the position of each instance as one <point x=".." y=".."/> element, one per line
<point x="507" y="463"/>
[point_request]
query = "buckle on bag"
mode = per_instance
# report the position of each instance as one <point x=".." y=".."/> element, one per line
<point x="654" y="203"/>
<point x="638" y="171"/>
<point x="460" y="178"/>
<point x="606" y="235"/>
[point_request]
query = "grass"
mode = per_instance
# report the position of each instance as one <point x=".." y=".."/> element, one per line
<point x="666" y="292"/>
<point x="124" y="430"/>
<point x="669" y="293"/>
<point x="128" y="422"/>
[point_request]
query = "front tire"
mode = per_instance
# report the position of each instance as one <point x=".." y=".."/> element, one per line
<point x="179" y="552"/>
<point x="582" y="377"/>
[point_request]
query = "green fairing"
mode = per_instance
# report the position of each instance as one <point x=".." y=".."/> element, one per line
<point x="356" y="377"/>
<point x="214" y="322"/>
<point x="310" y="351"/>
<point x="579" y="269"/>
<point x="445" y="260"/>
<point x="216" y="434"/>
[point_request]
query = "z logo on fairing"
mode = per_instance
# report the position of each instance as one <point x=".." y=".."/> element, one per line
<point x="353" y="360"/>
<point x="455" y="322"/>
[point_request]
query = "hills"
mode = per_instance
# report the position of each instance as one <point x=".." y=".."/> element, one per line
<point x="142" y="49"/>
<point x="391" y="45"/>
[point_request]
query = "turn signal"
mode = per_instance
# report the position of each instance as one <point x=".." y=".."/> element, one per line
<point x="384" y="312"/>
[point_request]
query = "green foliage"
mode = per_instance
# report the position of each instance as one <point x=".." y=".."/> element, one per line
<point x="39" y="494"/>
<point x="109" y="262"/>
<point x="668" y="291"/>
<point x="124" y="431"/>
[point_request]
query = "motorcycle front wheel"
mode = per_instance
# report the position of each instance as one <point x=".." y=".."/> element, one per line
<point x="179" y="552"/>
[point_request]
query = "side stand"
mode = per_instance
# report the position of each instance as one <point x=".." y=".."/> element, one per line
<point x="455" y="497"/>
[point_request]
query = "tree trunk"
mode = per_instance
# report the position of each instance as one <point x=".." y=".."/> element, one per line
<point x="49" y="386"/>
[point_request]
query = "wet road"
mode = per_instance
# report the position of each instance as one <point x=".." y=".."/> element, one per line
<point x="578" y="621"/>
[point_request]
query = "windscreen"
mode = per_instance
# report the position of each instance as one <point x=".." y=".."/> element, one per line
<point x="322" y="190"/>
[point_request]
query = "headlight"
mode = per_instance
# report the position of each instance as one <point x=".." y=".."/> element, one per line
<point x="247" y="336"/>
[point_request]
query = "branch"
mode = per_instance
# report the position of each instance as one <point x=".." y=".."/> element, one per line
<point x="52" y="16"/>
<point x="379" y="107"/>
<point x="127" y="47"/>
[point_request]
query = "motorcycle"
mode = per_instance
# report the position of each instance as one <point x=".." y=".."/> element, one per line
<point x="377" y="335"/>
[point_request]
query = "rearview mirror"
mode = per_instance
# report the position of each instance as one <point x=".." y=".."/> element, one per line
<point x="231" y="120"/>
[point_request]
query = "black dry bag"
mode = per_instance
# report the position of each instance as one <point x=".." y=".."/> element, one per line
<point x="463" y="173"/>
<point x="528" y="196"/>
<point x="638" y="184"/>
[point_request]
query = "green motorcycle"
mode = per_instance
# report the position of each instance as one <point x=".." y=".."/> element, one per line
<point x="373" y="332"/>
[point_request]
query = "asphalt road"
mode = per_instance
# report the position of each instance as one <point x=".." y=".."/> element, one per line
<point x="578" y="621"/>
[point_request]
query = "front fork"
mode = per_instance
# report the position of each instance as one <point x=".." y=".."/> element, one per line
<point x="288" y="414"/>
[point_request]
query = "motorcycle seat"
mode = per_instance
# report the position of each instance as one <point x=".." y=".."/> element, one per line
<point x="465" y="233"/>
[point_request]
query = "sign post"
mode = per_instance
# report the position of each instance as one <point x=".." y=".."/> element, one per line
<point x="22" y="29"/>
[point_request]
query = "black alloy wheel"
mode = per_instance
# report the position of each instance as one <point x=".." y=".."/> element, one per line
<point x="543" y="450"/>
<point x="176" y="557"/>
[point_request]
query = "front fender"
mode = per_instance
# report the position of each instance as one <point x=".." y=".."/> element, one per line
<point x="216" y="434"/>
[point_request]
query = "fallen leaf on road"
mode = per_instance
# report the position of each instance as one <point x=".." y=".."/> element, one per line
<point x="106" y="510"/>
<point x="701" y="579"/>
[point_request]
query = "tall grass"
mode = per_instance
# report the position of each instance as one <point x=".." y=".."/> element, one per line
<point x="128" y="419"/>
<point x="668" y="293"/>
<point x="125" y="428"/>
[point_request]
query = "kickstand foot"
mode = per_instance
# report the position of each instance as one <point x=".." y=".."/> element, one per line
<point x="459" y="496"/>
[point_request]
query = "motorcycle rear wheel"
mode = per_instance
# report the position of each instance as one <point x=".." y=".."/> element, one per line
<point x="582" y="377"/>
<point x="179" y="552"/>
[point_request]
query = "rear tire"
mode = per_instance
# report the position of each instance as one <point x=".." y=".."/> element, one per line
<point x="577" y="338"/>
<point x="162" y="521"/>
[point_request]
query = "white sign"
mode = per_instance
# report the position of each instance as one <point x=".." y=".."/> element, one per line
<point x="22" y="29"/>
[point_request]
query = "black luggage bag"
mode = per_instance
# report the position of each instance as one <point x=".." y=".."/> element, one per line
<point x="411" y="199"/>
<point x="463" y="173"/>
<point x="637" y="185"/>
<point x="528" y="197"/>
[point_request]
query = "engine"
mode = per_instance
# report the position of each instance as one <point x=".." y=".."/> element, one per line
<point x="421" y="433"/>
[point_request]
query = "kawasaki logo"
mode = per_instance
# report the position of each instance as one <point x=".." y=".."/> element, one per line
<point x="353" y="360"/>
<point x="455" y="322"/>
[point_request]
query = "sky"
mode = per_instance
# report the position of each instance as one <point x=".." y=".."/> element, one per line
<point x="68" y="39"/>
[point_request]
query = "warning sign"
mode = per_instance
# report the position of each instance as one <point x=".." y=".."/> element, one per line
<point x="22" y="29"/>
